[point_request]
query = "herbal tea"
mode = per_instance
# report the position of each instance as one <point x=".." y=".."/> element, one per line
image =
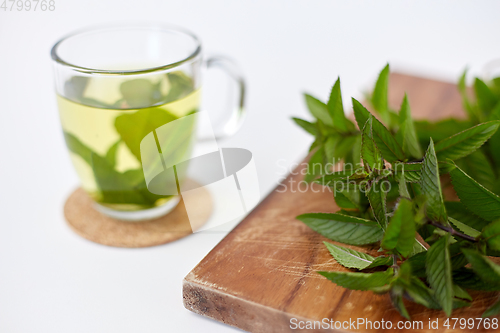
<point x="104" y="135"/>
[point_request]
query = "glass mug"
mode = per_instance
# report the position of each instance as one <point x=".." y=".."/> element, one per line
<point x="114" y="86"/>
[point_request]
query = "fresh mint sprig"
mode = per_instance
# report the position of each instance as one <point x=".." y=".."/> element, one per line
<point x="426" y="243"/>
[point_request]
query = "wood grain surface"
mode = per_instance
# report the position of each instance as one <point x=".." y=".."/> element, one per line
<point x="263" y="273"/>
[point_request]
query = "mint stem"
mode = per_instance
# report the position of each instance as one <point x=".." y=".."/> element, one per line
<point x="452" y="231"/>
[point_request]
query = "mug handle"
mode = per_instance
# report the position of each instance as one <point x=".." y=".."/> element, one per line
<point x="236" y="118"/>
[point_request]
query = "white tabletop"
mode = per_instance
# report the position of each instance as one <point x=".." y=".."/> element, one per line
<point x="51" y="280"/>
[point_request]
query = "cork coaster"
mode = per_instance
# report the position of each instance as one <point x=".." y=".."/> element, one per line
<point x="89" y="223"/>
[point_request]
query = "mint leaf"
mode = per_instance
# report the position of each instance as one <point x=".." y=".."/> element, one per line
<point x="421" y="294"/>
<point x="466" y="142"/>
<point x="78" y="148"/>
<point x="336" y="148"/>
<point x="381" y="261"/>
<point x="402" y="188"/>
<point x="307" y="126"/>
<point x="440" y="130"/>
<point x="400" y="233"/>
<point x="349" y="258"/>
<point x="342" y="228"/>
<point x="407" y="135"/>
<point x="459" y="212"/>
<point x="468" y="279"/>
<point x="438" y="269"/>
<point x="315" y="166"/>
<point x="486" y="99"/>
<point x="491" y="234"/>
<point x="493" y="310"/>
<point x="133" y="127"/>
<point x="111" y="153"/>
<point x="474" y="196"/>
<point x="464" y="227"/>
<point x="380" y="94"/>
<point x="431" y="187"/>
<point x="377" y="197"/>
<point x="359" y="281"/>
<point x="462" y="88"/>
<point x="318" y="109"/>
<point x="396" y="295"/>
<point x="370" y="154"/>
<point x="412" y="171"/>
<point x="348" y="198"/>
<point x="181" y="85"/>
<point x="119" y="188"/>
<point x="460" y="293"/>
<point x="384" y="140"/>
<point x="481" y="169"/>
<point x="486" y="269"/>
<point x="336" y="109"/>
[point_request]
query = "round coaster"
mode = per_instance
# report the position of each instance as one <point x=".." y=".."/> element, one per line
<point x="89" y="223"/>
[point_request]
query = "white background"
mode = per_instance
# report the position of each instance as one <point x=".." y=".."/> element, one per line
<point x="51" y="280"/>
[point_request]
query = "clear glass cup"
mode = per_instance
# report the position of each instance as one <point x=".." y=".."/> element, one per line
<point x="115" y="85"/>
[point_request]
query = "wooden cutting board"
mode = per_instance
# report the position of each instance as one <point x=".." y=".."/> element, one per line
<point x="263" y="273"/>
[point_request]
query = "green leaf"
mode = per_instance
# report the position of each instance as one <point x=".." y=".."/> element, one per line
<point x="486" y="269"/>
<point x="460" y="293"/>
<point x="417" y="247"/>
<point x="407" y="135"/>
<point x="133" y="127"/>
<point x="421" y="294"/>
<point x="462" y="88"/>
<point x="417" y="263"/>
<point x="466" y="142"/>
<point x="381" y="261"/>
<point x="384" y="140"/>
<point x="412" y="171"/>
<point x="318" y="109"/>
<point x="474" y="196"/>
<point x="78" y="148"/>
<point x="336" y="148"/>
<point x="492" y="310"/>
<point x="464" y="227"/>
<point x="181" y="85"/>
<point x="439" y="130"/>
<point x="459" y="212"/>
<point x="402" y="188"/>
<point x="438" y="269"/>
<point x="342" y="176"/>
<point x="379" y="97"/>
<point x="485" y="98"/>
<point x="491" y="234"/>
<point x="307" y="126"/>
<point x="121" y="188"/>
<point x="336" y="109"/>
<point x="359" y="281"/>
<point x="400" y="233"/>
<point x="342" y="228"/>
<point x="315" y="166"/>
<point x="431" y="187"/>
<point x="468" y="279"/>
<point x="396" y="295"/>
<point x="377" y="196"/>
<point x="111" y="153"/>
<point x="348" y="198"/>
<point x="369" y="152"/>
<point x="114" y="187"/>
<point x="481" y="169"/>
<point x="349" y="258"/>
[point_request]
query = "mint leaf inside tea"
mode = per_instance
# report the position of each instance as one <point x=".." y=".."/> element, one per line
<point x="104" y="126"/>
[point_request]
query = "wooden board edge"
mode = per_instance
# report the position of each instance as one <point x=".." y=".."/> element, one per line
<point x="237" y="312"/>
